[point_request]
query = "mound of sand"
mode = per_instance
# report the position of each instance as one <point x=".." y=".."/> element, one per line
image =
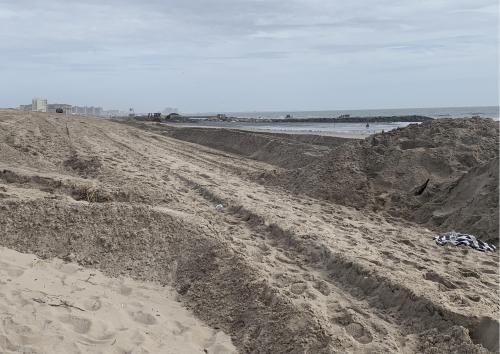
<point x="384" y="171"/>
<point x="278" y="272"/>
<point x="284" y="150"/>
<point x="469" y="203"/>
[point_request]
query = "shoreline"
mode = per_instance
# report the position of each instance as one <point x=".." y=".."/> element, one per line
<point x="337" y="134"/>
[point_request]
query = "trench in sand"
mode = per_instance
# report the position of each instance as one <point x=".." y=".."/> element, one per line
<point x="217" y="284"/>
<point x="412" y="312"/>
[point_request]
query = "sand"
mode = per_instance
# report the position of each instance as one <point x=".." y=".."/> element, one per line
<point x="53" y="306"/>
<point x="278" y="272"/>
<point x="381" y="173"/>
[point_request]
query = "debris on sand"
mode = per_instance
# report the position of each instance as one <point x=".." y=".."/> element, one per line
<point x="459" y="239"/>
<point x="219" y="207"/>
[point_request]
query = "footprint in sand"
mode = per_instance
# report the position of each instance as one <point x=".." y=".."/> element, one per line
<point x="13" y="329"/>
<point x="69" y="268"/>
<point x="469" y="273"/>
<point x="144" y="318"/>
<point x="125" y="290"/>
<point x="489" y="263"/>
<point x="474" y="297"/>
<point x="359" y="332"/>
<point x="92" y="304"/>
<point x="322" y="287"/>
<point x="489" y="271"/>
<point x="406" y="242"/>
<point x="137" y="338"/>
<point x="355" y="329"/>
<point x="285" y="279"/>
<point x="435" y="277"/>
<point x="458" y="300"/>
<point x="6" y="343"/>
<point x="79" y="324"/>
<point x="180" y="328"/>
<point x="298" y="288"/>
<point x="12" y="271"/>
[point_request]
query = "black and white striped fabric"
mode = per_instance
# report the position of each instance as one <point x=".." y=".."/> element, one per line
<point x="458" y="239"/>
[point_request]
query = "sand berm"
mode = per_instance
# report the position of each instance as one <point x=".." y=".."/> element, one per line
<point x="333" y="254"/>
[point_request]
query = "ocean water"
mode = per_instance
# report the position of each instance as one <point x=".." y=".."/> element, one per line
<point x="320" y="128"/>
<point x="348" y="128"/>
<point x="304" y="128"/>
<point x="437" y="112"/>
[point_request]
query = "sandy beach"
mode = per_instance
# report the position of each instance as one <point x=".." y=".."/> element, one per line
<point x="226" y="241"/>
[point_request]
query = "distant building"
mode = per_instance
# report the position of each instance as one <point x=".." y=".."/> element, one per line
<point x="114" y="113"/>
<point x="39" y="104"/>
<point x="26" y="107"/>
<point x="87" y="111"/>
<point x="78" y="110"/>
<point x="98" y="111"/>
<point x="94" y="111"/>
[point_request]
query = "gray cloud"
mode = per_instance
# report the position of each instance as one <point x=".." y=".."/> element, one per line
<point x="264" y="45"/>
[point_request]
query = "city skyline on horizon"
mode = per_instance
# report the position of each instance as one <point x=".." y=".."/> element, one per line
<point x="175" y="109"/>
<point x="167" y="110"/>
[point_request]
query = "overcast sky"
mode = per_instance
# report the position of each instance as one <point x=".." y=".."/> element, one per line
<point x="240" y="55"/>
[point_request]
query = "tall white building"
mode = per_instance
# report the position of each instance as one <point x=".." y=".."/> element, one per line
<point x="39" y="104"/>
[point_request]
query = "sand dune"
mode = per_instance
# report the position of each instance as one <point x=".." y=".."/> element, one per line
<point x="278" y="272"/>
